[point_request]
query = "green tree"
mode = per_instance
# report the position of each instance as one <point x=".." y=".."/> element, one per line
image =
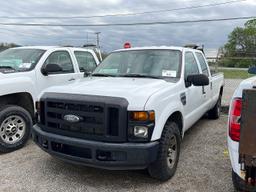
<point x="240" y="50"/>
<point x="4" y="46"/>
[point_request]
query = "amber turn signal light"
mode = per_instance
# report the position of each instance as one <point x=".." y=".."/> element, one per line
<point x="142" y="115"/>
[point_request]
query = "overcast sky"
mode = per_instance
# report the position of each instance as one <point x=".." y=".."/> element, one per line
<point x="212" y="35"/>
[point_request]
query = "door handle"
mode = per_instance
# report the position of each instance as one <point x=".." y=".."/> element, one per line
<point x="72" y="79"/>
<point x="203" y="90"/>
<point x="183" y="98"/>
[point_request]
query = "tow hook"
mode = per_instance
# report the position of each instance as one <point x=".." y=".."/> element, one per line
<point x="104" y="156"/>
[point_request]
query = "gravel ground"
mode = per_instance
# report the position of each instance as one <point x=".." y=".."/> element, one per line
<point x="204" y="166"/>
<point x="229" y="88"/>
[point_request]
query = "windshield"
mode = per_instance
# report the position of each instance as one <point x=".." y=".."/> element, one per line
<point x="20" y="59"/>
<point x="141" y="63"/>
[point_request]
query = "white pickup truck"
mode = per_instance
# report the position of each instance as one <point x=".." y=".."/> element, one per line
<point x="241" y="118"/>
<point x="132" y="112"/>
<point x="24" y="73"/>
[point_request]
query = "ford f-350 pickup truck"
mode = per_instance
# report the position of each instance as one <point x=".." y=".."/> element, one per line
<point x="25" y="72"/>
<point x="132" y="112"/>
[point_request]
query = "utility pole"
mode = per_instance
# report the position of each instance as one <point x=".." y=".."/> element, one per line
<point x="98" y="44"/>
<point x="98" y="39"/>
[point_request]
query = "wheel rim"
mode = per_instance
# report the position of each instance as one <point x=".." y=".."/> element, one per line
<point x="172" y="152"/>
<point x="12" y="129"/>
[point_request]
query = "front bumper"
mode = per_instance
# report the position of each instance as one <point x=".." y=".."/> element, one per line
<point x="113" y="156"/>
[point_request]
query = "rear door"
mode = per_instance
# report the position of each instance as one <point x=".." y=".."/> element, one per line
<point x="206" y="90"/>
<point x="192" y="108"/>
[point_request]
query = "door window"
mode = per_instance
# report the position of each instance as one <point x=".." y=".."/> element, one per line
<point x="85" y="60"/>
<point x="191" y="66"/>
<point x="61" y="58"/>
<point x="202" y="64"/>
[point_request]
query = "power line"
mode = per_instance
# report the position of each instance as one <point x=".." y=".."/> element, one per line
<point x="238" y="58"/>
<point x="128" y="24"/>
<point x="124" y="14"/>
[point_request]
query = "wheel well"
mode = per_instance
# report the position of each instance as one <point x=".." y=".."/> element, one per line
<point x="177" y="118"/>
<point x="221" y="90"/>
<point x="23" y="100"/>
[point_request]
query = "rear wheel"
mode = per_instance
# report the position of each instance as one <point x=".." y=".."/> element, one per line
<point x="15" y="126"/>
<point x="236" y="182"/>
<point x="214" y="113"/>
<point x="240" y="184"/>
<point x="168" y="155"/>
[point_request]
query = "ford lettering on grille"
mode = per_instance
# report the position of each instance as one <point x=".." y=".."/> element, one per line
<point x="71" y="118"/>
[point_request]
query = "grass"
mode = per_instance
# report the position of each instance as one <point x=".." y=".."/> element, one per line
<point x="235" y="74"/>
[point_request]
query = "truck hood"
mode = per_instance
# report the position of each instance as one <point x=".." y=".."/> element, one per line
<point x="18" y="82"/>
<point x="11" y="75"/>
<point x="135" y="90"/>
<point x="1" y="75"/>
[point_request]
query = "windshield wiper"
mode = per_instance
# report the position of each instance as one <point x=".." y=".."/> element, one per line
<point x="7" y="69"/>
<point x="102" y="75"/>
<point x="140" y="76"/>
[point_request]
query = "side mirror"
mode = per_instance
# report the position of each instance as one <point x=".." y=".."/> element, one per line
<point x="87" y="73"/>
<point x="51" y="68"/>
<point x="198" y="80"/>
<point x="252" y="70"/>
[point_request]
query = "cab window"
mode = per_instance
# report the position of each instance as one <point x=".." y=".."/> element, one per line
<point x="85" y="60"/>
<point x="191" y="66"/>
<point x="61" y="58"/>
<point x="203" y="64"/>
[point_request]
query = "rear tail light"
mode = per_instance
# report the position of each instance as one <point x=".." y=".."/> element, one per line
<point x="234" y="119"/>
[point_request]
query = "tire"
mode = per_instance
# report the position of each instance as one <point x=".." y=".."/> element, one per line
<point x="241" y="185"/>
<point x="164" y="167"/>
<point x="236" y="182"/>
<point x="214" y="113"/>
<point x="15" y="128"/>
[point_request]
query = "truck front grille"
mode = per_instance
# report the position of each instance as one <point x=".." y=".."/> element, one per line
<point x="92" y="117"/>
<point x="100" y="118"/>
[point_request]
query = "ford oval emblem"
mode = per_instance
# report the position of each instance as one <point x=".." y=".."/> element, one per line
<point x="72" y="118"/>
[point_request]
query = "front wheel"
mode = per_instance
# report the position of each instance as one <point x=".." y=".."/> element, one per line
<point x="168" y="155"/>
<point x="15" y="126"/>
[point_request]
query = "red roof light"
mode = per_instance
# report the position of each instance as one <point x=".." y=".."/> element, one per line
<point x="127" y="45"/>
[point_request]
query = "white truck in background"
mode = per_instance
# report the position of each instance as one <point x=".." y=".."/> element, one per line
<point x="24" y="73"/>
<point x="132" y="112"/>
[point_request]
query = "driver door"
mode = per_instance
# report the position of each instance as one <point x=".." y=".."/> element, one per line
<point x="67" y="75"/>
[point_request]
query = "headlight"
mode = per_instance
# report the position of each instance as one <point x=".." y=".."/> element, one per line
<point x="141" y="125"/>
<point x="140" y="131"/>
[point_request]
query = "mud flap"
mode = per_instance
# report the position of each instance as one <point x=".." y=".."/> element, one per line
<point x="247" y="144"/>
